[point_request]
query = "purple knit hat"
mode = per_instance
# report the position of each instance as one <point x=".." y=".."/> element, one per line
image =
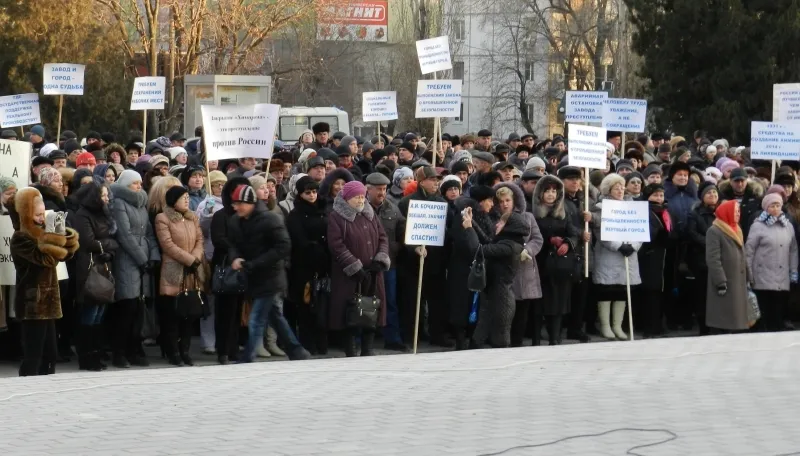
<point x="353" y="189"/>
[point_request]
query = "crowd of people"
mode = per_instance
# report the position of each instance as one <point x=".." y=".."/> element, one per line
<point x="306" y="241"/>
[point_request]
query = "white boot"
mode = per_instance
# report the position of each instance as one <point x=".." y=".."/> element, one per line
<point x="262" y="352"/>
<point x="618" y="313"/>
<point x="603" y="311"/>
<point x="272" y="342"/>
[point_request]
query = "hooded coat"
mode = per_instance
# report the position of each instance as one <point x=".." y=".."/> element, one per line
<point x="181" y="244"/>
<point x="327" y="183"/>
<point x="355" y="240"/>
<point x="308" y="229"/>
<point x="727" y="265"/>
<point x="287" y="205"/>
<point x="526" y="282"/>
<point x="36" y="255"/>
<point x="137" y="242"/>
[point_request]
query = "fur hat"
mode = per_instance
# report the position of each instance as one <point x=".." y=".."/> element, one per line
<point x="610" y="181"/>
<point x="320" y="127"/>
<point x="678" y="166"/>
<point x="173" y="195"/>
<point x="481" y="192"/>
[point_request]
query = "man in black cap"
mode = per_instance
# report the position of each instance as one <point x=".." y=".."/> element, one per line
<point x="529" y="140"/>
<point x="107" y="138"/>
<point x="8" y="135"/>
<point x="394" y="226"/>
<point x="315" y="168"/>
<point x="657" y="139"/>
<point x="177" y="139"/>
<point x="406" y="155"/>
<point x="337" y="138"/>
<point x="93" y="138"/>
<point x="514" y="141"/>
<point x="322" y="131"/>
<point x="59" y="158"/>
<point x="484" y="141"/>
<point x="528" y="183"/>
<point x="483" y="162"/>
<point x="743" y="191"/>
<point x="506" y="169"/>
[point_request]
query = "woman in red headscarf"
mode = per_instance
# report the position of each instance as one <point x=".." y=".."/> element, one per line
<point x="728" y="276"/>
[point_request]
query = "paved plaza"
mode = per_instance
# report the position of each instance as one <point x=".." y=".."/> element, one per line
<point x="724" y="395"/>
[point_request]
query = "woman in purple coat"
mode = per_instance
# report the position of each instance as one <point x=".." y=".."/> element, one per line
<point x="359" y="255"/>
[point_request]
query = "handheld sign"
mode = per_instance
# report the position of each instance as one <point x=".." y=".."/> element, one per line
<point x="438" y="98"/>
<point x="239" y="131"/>
<point x="625" y="221"/>
<point x="584" y="106"/>
<point x="378" y="106"/>
<point x="775" y="140"/>
<point x="148" y="93"/>
<point x="786" y="102"/>
<point x="426" y="223"/>
<point x="15" y="157"/>
<point x="434" y="55"/>
<point x="63" y="78"/>
<point x="19" y="110"/>
<point x="587" y="146"/>
<point x="624" y="114"/>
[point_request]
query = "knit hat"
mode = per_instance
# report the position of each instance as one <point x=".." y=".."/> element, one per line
<point x="46" y="149"/>
<point x="217" y="176"/>
<point x="156" y="160"/>
<point x="347" y="140"/>
<point x="174" y="194"/>
<point x="38" y="130"/>
<point x="8" y="134"/>
<point x="306" y="154"/>
<point x="634" y="175"/>
<point x="481" y="192"/>
<point x="652" y="169"/>
<point x="770" y="199"/>
<point x="458" y="167"/>
<point x="257" y="180"/>
<point x="705" y="187"/>
<point x="400" y="174"/>
<point x="305" y="183"/>
<point x="650" y="189"/>
<point x="174" y="152"/>
<point x="85" y="158"/>
<point x="449" y="182"/>
<point x="712" y="174"/>
<point x="244" y="194"/>
<point x="407" y="146"/>
<point x="128" y="177"/>
<point x="535" y="162"/>
<point x="729" y="165"/>
<point x="352" y="189"/>
<point x="6" y="183"/>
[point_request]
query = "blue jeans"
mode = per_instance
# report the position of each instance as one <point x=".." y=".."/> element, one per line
<point x="268" y="309"/>
<point x="391" y="332"/>
<point x="92" y="315"/>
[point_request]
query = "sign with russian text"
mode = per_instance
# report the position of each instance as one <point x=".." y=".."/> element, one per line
<point x="438" y="98"/>
<point x="353" y="21"/>
<point x="624" y="114"/>
<point x="584" y="106"/>
<point x="774" y="140"/>
<point x="15" y="157"/>
<point x="19" y="110"/>
<point x="426" y="223"/>
<point x="377" y="106"/>
<point x="63" y="78"/>
<point x="434" y="54"/>
<point x="239" y="131"/>
<point x="148" y="93"/>
<point x="8" y="275"/>
<point x="786" y="102"/>
<point x="587" y="146"/>
<point x="625" y="221"/>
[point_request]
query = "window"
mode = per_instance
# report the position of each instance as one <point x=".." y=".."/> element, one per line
<point x="459" y="29"/>
<point x="291" y="127"/>
<point x="460" y="117"/>
<point x="458" y="70"/>
<point x="529" y="71"/>
<point x="531" y="113"/>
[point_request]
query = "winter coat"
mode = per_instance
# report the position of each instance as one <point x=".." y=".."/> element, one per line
<point x="727" y="265"/>
<point x="53" y="201"/>
<point x="680" y="201"/>
<point x="196" y="197"/>
<point x="263" y="242"/>
<point x="749" y="203"/>
<point x="205" y="213"/>
<point x="97" y="235"/>
<point x="700" y="221"/>
<point x="308" y="229"/>
<point x="355" y="240"/>
<point x="772" y="253"/>
<point x="137" y="242"/>
<point x="526" y="281"/>
<point x="575" y="207"/>
<point x="394" y="224"/>
<point x="394" y="194"/>
<point x="325" y="187"/>
<point x="181" y="244"/>
<point x="36" y="254"/>
<point x="609" y="263"/>
<point x="652" y="255"/>
<point x="436" y="258"/>
<point x="219" y="222"/>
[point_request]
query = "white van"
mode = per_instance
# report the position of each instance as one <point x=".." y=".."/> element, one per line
<point x="294" y="120"/>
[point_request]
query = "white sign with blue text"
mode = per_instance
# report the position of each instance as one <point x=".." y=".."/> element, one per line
<point x="438" y="98"/>
<point x="426" y="223"/>
<point x="584" y="106"/>
<point x="63" y="78"/>
<point x="434" y="54"/>
<point x="19" y="110"/>
<point x="148" y="93"/>
<point x="587" y="146"/>
<point x="624" y="114"/>
<point x="378" y="106"/>
<point x="774" y="140"/>
<point x="625" y="221"/>
<point x="786" y="102"/>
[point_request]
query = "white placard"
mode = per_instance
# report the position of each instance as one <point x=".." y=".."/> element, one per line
<point x="63" y="78"/>
<point x="584" y="106"/>
<point x="438" y="98"/>
<point x="587" y="146"/>
<point x="624" y="114"/>
<point x="19" y="110"/>
<point x="434" y="54"/>
<point x="786" y="102"/>
<point x="148" y="93"/>
<point x="377" y="106"/>
<point x="238" y="131"/>
<point x="774" y="140"/>
<point x="8" y="275"/>
<point x="15" y="157"/>
<point x="426" y="223"/>
<point x="625" y="221"/>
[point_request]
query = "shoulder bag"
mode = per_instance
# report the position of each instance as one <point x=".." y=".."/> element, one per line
<point x="567" y="266"/>
<point x="362" y="311"/>
<point x="189" y="303"/>
<point x="99" y="287"/>
<point x="226" y="281"/>
<point x="476" y="281"/>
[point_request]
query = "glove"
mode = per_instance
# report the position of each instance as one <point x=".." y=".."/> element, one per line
<point x="105" y="257"/>
<point x="626" y="250"/>
<point x="150" y="266"/>
<point x="722" y="290"/>
<point x="194" y="266"/>
<point x="375" y="267"/>
<point x="563" y="250"/>
<point x="361" y="275"/>
<point x="525" y="256"/>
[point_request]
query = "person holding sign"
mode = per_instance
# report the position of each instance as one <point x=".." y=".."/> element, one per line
<point x="609" y="267"/>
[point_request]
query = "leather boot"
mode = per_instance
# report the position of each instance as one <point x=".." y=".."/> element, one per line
<point x="536" y="336"/>
<point x="82" y="346"/>
<point x="603" y="315"/>
<point x="461" y="340"/>
<point x="367" y="341"/>
<point x="554" y="329"/>
<point x="350" y="345"/>
<point x="618" y="313"/>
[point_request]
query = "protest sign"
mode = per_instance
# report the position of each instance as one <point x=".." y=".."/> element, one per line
<point x="378" y="106"/>
<point x="624" y="114"/>
<point x="8" y="275"/>
<point x="587" y="146"/>
<point x="584" y="106"/>
<point x="434" y="54"/>
<point x="625" y="221"/>
<point x="19" y="110"/>
<point x="774" y="140"/>
<point x="63" y="79"/>
<point x="438" y="98"/>
<point x="238" y="131"/>
<point x="148" y="93"/>
<point x="426" y="223"/>
<point x="786" y="102"/>
<point x="15" y="157"/>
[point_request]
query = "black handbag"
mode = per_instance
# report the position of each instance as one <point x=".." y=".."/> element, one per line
<point x="189" y="303"/>
<point x="100" y="286"/>
<point x="363" y="311"/>
<point x="567" y="266"/>
<point x="476" y="281"/>
<point x="320" y="300"/>
<point x="226" y="281"/>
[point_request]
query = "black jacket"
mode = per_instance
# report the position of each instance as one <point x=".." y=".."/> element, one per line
<point x="700" y="220"/>
<point x="750" y="204"/>
<point x="263" y="242"/>
<point x="653" y="254"/>
<point x="220" y="219"/>
<point x="95" y="229"/>
<point x="308" y="229"/>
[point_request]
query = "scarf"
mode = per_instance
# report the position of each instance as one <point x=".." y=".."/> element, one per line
<point x="770" y="220"/>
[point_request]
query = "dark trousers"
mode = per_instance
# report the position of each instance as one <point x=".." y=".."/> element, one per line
<point x="652" y="312"/>
<point x="535" y="321"/>
<point x="65" y="326"/>
<point x="699" y="290"/>
<point x="227" y="316"/>
<point x="773" y="305"/>
<point x="126" y="328"/>
<point x="434" y="293"/>
<point x="313" y="337"/>
<point x="520" y="323"/>
<point x="39" y="346"/>
<point x="176" y="333"/>
<point x="578" y="307"/>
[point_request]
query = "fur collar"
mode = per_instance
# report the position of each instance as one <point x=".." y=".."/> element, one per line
<point x="519" y="196"/>
<point x="135" y="199"/>
<point x="175" y="216"/>
<point x="557" y="209"/>
<point x="23" y="204"/>
<point x="341" y="207"/>
<point x="753" y="190"/>
<point x="728" y="231"/>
